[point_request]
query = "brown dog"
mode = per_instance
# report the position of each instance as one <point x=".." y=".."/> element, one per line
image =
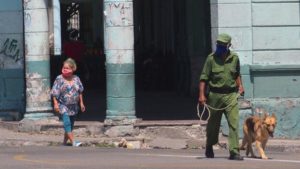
<point x="258" y="130"/>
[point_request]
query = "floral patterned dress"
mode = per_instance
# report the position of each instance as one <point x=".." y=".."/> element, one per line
<point x="67" y="94"/>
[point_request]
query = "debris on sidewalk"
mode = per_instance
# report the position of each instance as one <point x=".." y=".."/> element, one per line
<point x="123" y="143"/>
<point x="139" y="144"/>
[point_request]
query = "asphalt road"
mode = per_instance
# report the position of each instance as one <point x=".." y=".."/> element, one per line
<point x="116" y="158"/>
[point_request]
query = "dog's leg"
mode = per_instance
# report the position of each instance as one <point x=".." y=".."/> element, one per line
<point x="244" y="142"/>
<point x="248" y="149"/>
<point x="260" y="150"/>
<point x="264" y="143"/>
<point x="249" y="141"/>
<point x="251" y="149"/>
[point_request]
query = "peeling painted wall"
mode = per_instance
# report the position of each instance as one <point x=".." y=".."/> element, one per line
<point x="269" y="52"/>
<point x="275" y="72"/>
<point x="37" y="91"/>
<point x="11" y="57"/>
<point x="287" y="113"/>
<point x="11" y="34"/>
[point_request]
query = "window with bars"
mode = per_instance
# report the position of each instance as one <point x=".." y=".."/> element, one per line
<point x="73" y="15"/>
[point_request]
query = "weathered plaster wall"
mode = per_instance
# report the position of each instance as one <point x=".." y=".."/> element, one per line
<point x="234" y="18"/>
<point x="37" y="61"/>
<point x="276" y="31"/>
<point x="275" y="71"/>
<point x="11" y="34"/>
<point x="287" y="112"/>
<point x="266" y="37"/>
<point x="11" y="57"/>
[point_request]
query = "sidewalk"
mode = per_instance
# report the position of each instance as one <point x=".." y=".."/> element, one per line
<point x="176" y="135"/>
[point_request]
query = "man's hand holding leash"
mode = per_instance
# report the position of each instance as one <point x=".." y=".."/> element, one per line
<point x="202" y="97"/>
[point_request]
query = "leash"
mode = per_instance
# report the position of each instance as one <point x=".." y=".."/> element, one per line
<point x="208" y="107"/>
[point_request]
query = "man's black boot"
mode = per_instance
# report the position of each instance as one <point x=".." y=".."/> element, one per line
<point x="209" y="152"/>
<point x="236" y="157"/>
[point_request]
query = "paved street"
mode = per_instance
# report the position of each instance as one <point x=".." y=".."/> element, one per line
<point x="60" y="157"/>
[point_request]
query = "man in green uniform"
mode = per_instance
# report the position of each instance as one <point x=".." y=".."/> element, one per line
<point x="221" y="74"/>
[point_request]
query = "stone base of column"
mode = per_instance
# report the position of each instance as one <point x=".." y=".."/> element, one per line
<point x="119" y="120"/>
<point x="121" y="126"/>
<point x="39" y="112"/>
<point x="33" y="122"/>
<point x="40" y="116"/>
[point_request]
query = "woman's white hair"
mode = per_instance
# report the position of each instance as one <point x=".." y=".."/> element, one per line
<point x="71" y="62"/>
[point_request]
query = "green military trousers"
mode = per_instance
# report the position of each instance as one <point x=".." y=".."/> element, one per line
<point x="231" y="113"/>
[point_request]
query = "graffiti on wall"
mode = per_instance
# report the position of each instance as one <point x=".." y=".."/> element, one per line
<point x="27" y="15"/>
<point x="26" y="3"/>
<point x="10" y="54"/>
<point x="119" y="14"/>
<point x="10" y="49"/>
<point x="27" y="18"/>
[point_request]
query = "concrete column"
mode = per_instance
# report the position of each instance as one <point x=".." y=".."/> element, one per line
<point x="57" y="27"/>
<point x="119" y="50"/>
<point x="37" y="64"/>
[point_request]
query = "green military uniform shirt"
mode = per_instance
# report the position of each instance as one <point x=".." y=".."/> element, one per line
<point x="219" y="73"/>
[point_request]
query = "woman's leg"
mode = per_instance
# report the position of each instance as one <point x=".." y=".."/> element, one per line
<point x="65" y="139"/>
<point x="70" y="137"/>
<point x="67" y="127"/>
<point x="72" y="120"/>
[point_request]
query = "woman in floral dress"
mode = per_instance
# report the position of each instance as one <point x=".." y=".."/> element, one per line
<point x="67" y="98"/>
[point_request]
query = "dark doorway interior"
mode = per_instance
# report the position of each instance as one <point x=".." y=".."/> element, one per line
<point x="172" y="40"/>
<point x="86" y="17"/>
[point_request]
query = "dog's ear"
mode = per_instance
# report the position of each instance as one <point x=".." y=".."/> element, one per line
<point x="273" y="115"/>
<point x="265" y="115"/>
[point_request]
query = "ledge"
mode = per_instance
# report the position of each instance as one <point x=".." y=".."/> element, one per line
<point x="272" y="68"/>
<point x="151" y="123"/>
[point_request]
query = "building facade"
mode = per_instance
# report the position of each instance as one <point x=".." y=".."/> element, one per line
<point x="265" y="33"/>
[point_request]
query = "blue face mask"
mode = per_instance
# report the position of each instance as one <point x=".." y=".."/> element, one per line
<point x="221" y="50"/>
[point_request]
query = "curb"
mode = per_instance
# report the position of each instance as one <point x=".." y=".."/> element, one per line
<point x="112" y="143"/>
<point x="94" y="137"/>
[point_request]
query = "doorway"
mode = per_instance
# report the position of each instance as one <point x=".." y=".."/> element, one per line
<point x="172" y="40"/>
<point x="85" y="18"/>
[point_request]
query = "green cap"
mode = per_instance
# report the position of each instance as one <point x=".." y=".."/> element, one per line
<point x="223" y="37"/>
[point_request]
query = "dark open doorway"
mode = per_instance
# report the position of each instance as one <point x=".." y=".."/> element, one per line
<point x="172" y="40"/>
<point x="85" y="16"/>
